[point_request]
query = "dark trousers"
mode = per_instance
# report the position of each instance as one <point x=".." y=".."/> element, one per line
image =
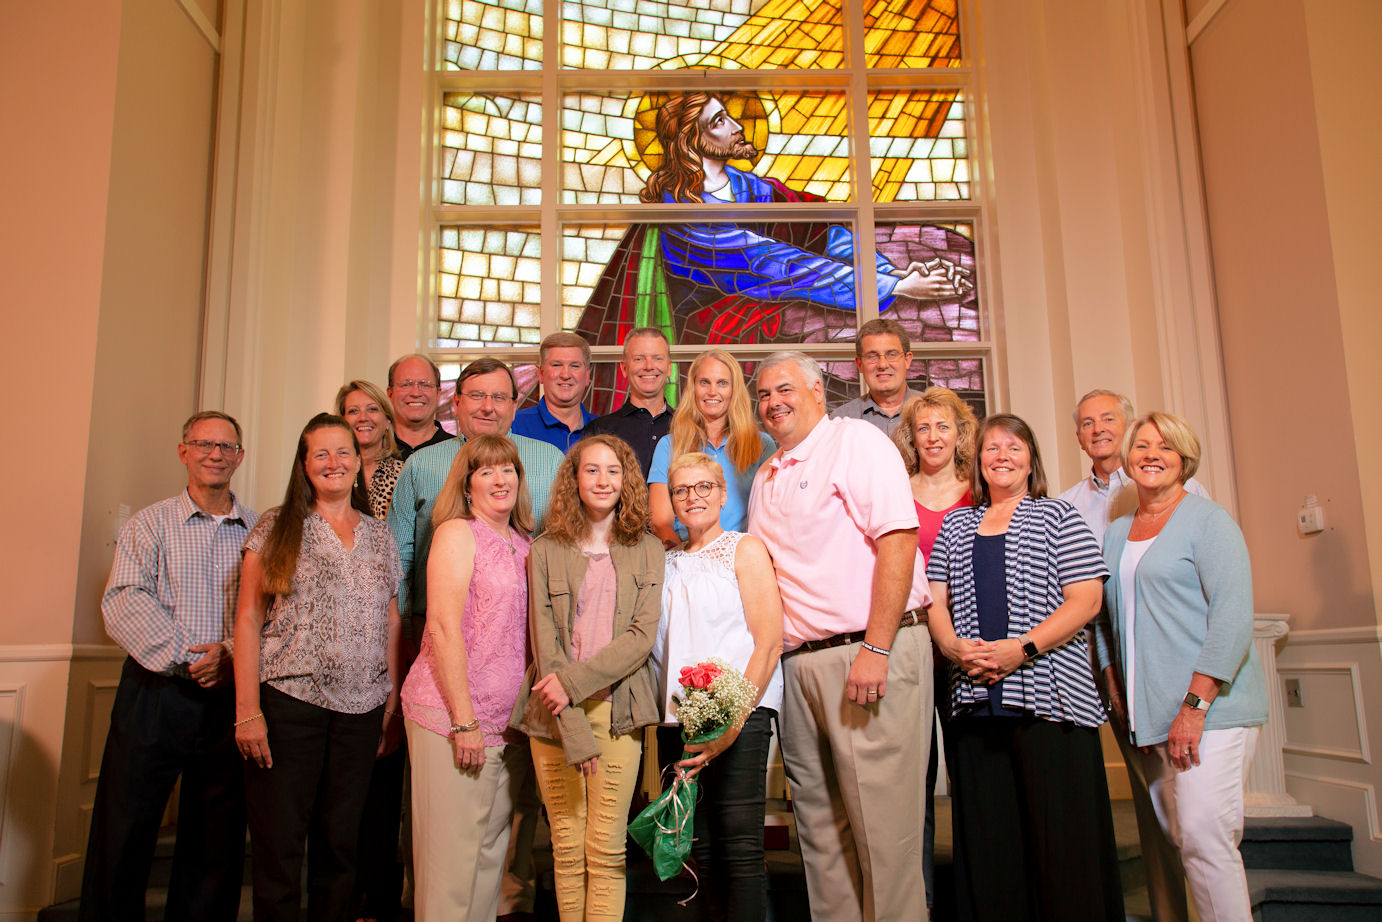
<point x="313" y="795"/>
<point x="728" y="848"/>
<point x="160" y="728"/>
<point x="1033" y="828"/>
<point x="379" y="873"/>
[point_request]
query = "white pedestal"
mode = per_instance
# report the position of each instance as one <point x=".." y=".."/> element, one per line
<point x="1266" y="788"/>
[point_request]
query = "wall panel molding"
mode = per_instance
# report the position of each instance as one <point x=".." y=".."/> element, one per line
<point x="1351" y="671"/>
<point x="1371" y="634"/>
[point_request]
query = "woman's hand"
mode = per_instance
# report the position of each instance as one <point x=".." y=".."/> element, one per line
<point x="1117" y="704"/>
<point x="469" y="746"/>
<point x="986" y="662"/>
<point x="553" y="695"/>
<point x="589" y="767"/>
<point x="956" y="649"/>
<point x="391" y="736"/>
<point x="252" y="739"/>
<point x="704" y="752"/>
<point x="1183" y="744"/>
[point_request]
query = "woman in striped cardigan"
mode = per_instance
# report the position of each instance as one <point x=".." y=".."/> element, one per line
<point x="1015" y="580"/>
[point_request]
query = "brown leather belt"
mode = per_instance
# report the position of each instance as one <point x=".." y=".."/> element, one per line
<point x="909" y="618"/>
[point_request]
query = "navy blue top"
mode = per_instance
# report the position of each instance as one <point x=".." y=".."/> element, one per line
<point x="991" y="596"/>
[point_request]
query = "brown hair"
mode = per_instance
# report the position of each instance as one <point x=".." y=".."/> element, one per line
<point x="688" y="432"/>
<point x="678" y="128"/>
<point x="484" y="366"/>
<point x="566" y="518"/>
<point x="1013" y="425"/>
<point x="285" y="537"/>
<point x="453" y="502"/>
<point x="881" y="326"/>
<point x="388" y="445"/>
<point x="938" y="398"/>
<point x="563" y="340"/>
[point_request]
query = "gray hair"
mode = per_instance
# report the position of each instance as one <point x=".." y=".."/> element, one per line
<point x="1124" y="404"/>
<point x="809" y="366"/>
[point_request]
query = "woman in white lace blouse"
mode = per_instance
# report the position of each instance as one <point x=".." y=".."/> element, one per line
<point x="720" y="599"/>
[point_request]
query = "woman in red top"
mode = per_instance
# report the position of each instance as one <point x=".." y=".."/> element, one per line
<point x="936" y="438"/>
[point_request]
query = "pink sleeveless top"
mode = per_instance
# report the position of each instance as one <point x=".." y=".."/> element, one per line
<point x="495" y="629"/>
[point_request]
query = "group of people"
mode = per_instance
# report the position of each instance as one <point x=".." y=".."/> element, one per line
<point x="517" y="603"/>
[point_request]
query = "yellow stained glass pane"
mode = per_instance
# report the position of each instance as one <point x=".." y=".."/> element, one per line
<point x="488" y="293"/>
<point x="918" y="146"/>
<point x="492" y="35"/>
<point x="491" y="149"/>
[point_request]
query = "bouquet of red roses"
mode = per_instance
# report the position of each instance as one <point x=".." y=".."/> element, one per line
<point x="715" y="696"/>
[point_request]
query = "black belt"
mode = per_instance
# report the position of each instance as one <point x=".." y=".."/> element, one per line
<point x="909" y="618"/>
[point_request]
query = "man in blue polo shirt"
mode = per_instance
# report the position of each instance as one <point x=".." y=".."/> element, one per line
<point x="563" y="370"/>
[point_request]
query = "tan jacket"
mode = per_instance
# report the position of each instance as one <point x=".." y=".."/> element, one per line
<point x="555" y="574"/>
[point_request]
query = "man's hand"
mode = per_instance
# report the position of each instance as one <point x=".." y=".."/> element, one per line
<point x="214" y="668"/>
<point x="868" y="678"/>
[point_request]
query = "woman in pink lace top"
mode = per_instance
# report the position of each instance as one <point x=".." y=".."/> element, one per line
<point x="458" y="696"/>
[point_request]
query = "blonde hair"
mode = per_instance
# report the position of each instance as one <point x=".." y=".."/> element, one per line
<point x="697" y="459"/>
<point x="1175" y="432"/>
<point x="938" y="398"/>
<point x="566" y="518"/>
<point x="688" y="430"/>
<point x="388" y="445"/>
<point x="453" y="502"/>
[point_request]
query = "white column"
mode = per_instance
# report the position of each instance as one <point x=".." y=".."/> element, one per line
<point x="1266" y="789"/>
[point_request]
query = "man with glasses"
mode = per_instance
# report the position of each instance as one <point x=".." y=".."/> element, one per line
<point x="563" y="370"/>
<point x="646" y="416"/>
<point x="485" y="400"/>
<point x="170" y="603"/>
<point x="882" y="353"/>
<point x="414" y="384"/>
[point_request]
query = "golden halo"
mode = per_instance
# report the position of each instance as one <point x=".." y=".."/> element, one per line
<point x="756" y="112"/>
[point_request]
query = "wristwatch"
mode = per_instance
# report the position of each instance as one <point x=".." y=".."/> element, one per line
<point x="1195" y="701"/>
<point x="1029" y="648"/>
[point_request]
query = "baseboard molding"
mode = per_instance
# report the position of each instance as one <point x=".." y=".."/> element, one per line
<point x="60" y="652"/>
<point x="1335" y="635"/>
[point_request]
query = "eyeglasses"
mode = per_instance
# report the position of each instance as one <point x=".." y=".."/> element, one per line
<point x="415" y="383"/>
<point x="499" y="400"/>
<point x="206" y="446"/>
<point x="873" y="358"/>
<point x="702" y="490"/>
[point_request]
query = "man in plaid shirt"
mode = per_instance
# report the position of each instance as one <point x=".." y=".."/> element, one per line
<point x="170" y="603"/>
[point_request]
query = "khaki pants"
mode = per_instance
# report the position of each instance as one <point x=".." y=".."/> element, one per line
<point x="460" y="827"/>
<point x="858" y="777"/>
<point x="588" y="816"/>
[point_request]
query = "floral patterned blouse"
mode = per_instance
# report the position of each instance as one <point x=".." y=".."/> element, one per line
<point x="325" y="643"/>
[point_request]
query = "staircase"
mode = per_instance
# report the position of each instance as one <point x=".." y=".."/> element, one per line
<point x="1300" y="869"/>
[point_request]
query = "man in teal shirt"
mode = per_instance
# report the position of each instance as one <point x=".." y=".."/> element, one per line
<point x="485" y="400"/>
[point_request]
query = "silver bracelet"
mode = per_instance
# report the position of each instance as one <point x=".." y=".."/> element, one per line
<point x="465" y="728"/>
<point x="879" y="650"/>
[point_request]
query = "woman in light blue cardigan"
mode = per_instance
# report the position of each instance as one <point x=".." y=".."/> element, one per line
<point x="1176" y="650"/>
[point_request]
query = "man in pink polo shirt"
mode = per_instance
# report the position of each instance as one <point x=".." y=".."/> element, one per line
<point x="835" y="510"/>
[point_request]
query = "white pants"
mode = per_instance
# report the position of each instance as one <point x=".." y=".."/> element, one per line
<point x="1202" y="813"/>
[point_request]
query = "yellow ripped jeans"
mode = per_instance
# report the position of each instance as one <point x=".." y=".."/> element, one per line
<point x="588" y="816"/>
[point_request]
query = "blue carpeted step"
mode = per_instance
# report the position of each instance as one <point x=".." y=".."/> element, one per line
<point x="1297" y="843"/>
<point x="1314" y="896"/>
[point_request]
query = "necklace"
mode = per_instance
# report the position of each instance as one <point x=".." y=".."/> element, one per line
<point x="1153" y="516"/>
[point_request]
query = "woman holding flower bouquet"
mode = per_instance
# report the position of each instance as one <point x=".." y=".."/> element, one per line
<point x="721" y="600"/>
<point x="595" y="596"/>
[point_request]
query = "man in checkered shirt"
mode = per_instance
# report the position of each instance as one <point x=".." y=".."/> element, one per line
<point x="170" y="603"/>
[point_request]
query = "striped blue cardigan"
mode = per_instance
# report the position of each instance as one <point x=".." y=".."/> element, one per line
<point x="1048" y="546"/>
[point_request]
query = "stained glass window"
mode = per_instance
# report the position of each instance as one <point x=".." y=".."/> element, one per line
<point x="725" y="208"/>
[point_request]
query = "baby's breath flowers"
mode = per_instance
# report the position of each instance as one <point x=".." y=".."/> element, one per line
<point x="715" y="696"/>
